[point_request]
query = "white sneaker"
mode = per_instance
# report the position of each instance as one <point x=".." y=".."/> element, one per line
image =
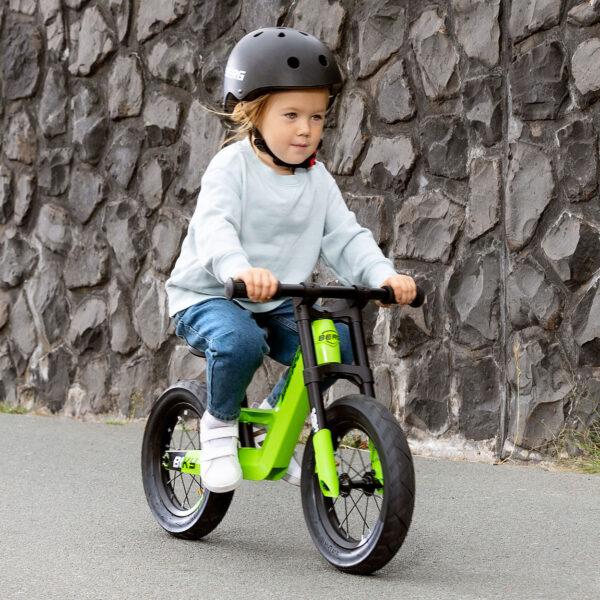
<point x="220" y="469"/>
<point x="294" y="470"/>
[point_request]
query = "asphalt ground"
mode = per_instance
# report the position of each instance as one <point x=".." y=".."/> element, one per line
<point x="74" y="523"/>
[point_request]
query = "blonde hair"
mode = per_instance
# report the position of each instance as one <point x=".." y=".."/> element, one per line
<point x="244" y="118"/>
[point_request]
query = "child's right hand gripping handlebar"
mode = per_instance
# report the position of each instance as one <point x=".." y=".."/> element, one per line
<point x="235" y="288"/>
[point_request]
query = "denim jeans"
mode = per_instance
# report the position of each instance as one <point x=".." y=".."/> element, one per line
<point x="235" y="343"/>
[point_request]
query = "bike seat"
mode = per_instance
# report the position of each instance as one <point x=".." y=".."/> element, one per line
<point x="196" y="352"/>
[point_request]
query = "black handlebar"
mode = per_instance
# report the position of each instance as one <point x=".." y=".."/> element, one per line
<point x="237" y="289"/>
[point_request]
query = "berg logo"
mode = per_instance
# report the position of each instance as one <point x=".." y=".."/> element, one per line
<point x="329" y="337"/>
<point x="234" y="73"/>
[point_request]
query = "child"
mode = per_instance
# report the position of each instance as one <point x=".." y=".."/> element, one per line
<point x="265" y="213"/>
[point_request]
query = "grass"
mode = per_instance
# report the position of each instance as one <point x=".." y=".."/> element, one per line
<point x="13" y="410"/>
<point x="580" y="450"/>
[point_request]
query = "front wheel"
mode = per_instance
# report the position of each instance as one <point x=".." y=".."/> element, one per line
<point x="363" y="528"/>
<point x="178" y="500"/>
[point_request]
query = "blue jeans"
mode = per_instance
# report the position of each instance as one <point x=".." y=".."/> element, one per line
<point x="235" y="343"/>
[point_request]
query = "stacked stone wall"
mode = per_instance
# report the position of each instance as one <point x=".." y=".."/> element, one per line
<point x="465" y="138"/>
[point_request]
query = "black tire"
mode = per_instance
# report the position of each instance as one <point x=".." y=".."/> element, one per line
<point x="169" y="509"/>
<point x="337" y="545"/>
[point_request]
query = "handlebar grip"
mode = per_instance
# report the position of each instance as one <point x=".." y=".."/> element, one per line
<point x="235" y="288"/>
<point x="419" y="298"/>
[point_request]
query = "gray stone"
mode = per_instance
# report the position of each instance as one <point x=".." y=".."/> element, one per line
<point x="22" y="333"/>
<point x="210" y="20"/>
<point x="8" y="375"/>
<point x="27" y="7"/>
<point x="161" y="119"/>
<point x="91" y="42"/>
<point x="484" y="197"/>
<point x="211" y="73"/>
<point x="408" y="331"/>
<point x="166" y="241"/>
<point x="94" y="376"/>
<point x="150" y="314"/>
<point x="587" y="13"/>
<point x="123" y="338"/>
<point x="124" y="228"/>
<point x="52" y="228"/>
<point x="531" y="298"/>
<point x="325" y="25"/>
<point x="436" y="56"/>
<point x="394" y="97"/>
<point x="370" y="213"/>
<point x="474" y="298"/>
<point x="21" y="56"/>
<point x="90" y="123"/>
<point x="477" y="29"/>
<point x="200" y="139"/>
<point x="76" y="4"/>
<point x="482" y="100"/>
<point x="381" y="33"/>
<point x="52" y="18"/>
<point x="52" y="114"/>
<point x="123" y="154"/>
<point x="154" y="177"/>
<point x="444" y="143"/>
<point x="20" y="140"/>
<point x="51" y="377"/>
<point x="585" y="76"/>
<point x="54" y="170"/>
<point x="572" y="247"/>
<point x="349" y="140"/>
<point x="17" y="261"/>
<point x="182" y="365"/>
<point x="426" y="226"/>
<point x="529" y="16"/>
<point x="529" y="189"/>
<point x="154" y="15"/>
<point x="24" y="192"/>
<point x="88" y="325"/>
<point x="538" y="82"/>
<point x="126" y="87"/>
<point x="174" y="60"/>
<point x="51" y="317"/>
<point x="120" y="10"/>
<point x="389" y="162"/>
<point x="586" y="326"/>
<point x="427" y="399"/>
<point x="130" y="386"/>
<point x="254" y="14"/>
<point x="4" y="311"/>
<point x="87" y="190"/>
<point x="578" y="159"/>
<point x="540" y="381"/>
<point x="6" y="204"/>
<point x="87" y="262"/>
<point x="479" y="389"/>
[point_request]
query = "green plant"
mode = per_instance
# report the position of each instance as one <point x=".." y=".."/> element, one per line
<point x="14" y="410"/>
<point x="580" y="449"/>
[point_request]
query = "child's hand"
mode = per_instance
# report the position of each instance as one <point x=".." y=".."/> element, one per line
<point x="405" y="289"/>
<point x="261" y="284"/>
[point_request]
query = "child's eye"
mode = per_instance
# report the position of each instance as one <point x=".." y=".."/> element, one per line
<point x="290" y="115"/>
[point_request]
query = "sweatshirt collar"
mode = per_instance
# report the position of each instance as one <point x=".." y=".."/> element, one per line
<point x="285" y="180"/>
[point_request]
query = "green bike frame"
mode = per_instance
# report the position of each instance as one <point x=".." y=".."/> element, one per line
<point x="284" y="424"/>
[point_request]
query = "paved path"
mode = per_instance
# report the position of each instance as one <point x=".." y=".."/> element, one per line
<point x="74" y="525"/>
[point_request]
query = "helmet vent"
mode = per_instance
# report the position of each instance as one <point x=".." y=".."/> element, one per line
<point x="281" y="34"/>
<point x="293" y="62"/>
<point x="257" y="34"/>
<point x="302" y="32"/>
<point x="323" y="60"/>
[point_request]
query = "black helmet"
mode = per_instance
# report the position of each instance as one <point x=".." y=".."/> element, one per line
<point x="278" y="58"/>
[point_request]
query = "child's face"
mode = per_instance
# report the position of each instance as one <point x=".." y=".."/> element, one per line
<point x="292" y="123"/>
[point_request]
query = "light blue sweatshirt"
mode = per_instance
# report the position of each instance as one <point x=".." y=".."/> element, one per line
<point x="248" y="215"/>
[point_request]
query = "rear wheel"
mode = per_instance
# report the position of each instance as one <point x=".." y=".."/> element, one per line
<point x="363" y="528"/>
<point x="178" y="501"/>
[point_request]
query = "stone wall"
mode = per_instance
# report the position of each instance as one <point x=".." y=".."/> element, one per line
<point x="466" y="138"/>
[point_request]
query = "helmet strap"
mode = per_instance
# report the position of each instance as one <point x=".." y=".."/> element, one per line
<point x="261" y="145"/>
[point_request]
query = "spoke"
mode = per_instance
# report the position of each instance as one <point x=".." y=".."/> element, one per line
<point x="364" y="521"/>
<point x="361" y="460"/>
<point x="189" y="438"/>
<point x="349" y="513"/>
<point x="349" y="466"/>
<point x="375" y="498"/>
<point x="177" y="474"/>
<point x="186" y="494"/>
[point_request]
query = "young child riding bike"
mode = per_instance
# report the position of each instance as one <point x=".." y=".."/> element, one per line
<point x="267" y="210"/>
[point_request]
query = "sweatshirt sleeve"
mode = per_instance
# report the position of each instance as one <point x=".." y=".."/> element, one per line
<point x="350" y="249"/>
<point x="216" y="221"/>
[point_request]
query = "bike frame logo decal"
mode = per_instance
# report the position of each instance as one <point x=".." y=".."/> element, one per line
<point x="329" y="337"/>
